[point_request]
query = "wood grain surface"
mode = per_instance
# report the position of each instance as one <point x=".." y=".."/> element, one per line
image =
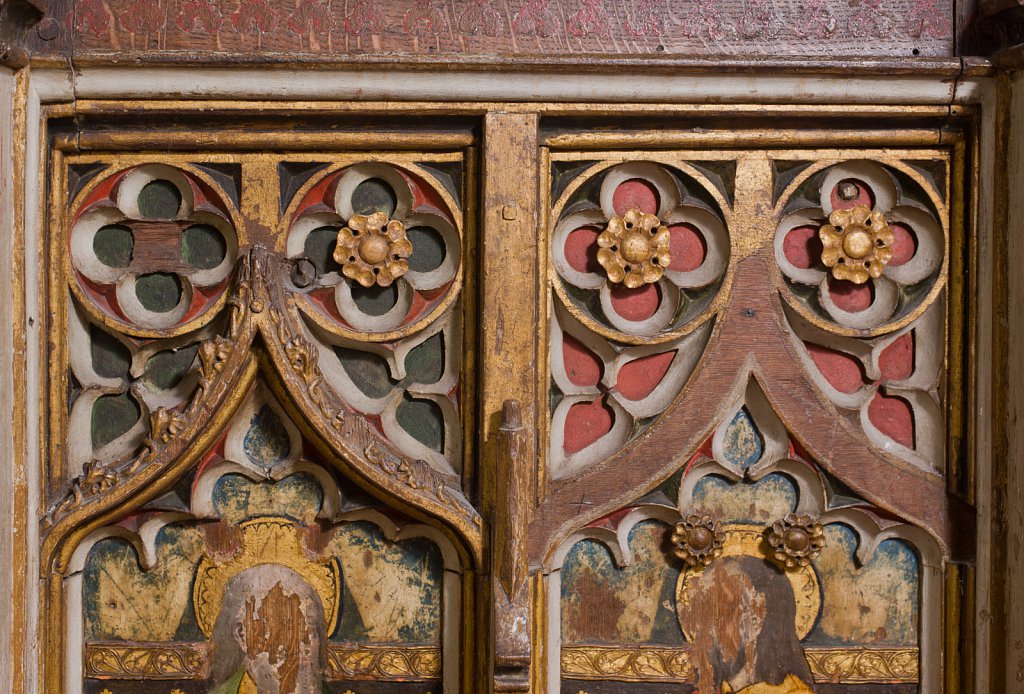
<point x="751" y="340"/>
<point x="245" y="30"/>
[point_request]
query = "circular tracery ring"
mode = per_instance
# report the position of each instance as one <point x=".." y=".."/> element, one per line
<point x="151" y="250"/>
<point x="382" y="245"/>
<point x="639" y="250"/>
<point x="871" y="255"/>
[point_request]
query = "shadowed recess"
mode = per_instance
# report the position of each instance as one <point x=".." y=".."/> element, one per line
<point x="203" y="247"/>
<point x="375" y="300"/>
<point x="319" y="250"/>
<point x="935" y="172"/>
<point x="374" y="195"/>
<point x="112" y="416"/>
<point x="164" y="370"/>
<point x="425" y="362"/>
<point x="158" y="291"/>
<point x="448" y="174"/>
<point x="368" y="371"/>
<point x="159" y="199"/>
<point x="563" y="173"/>
<point x="228" y="177"/>
<point x="292" y="176"/>
<point x="110" y="358"/>
<point x="428" y="251"/>
<point x="783" y="173"/>
<point x="722" y="175"/>
<point x="113" y="245"/>
<point x="423" y="420"/>
<point x="267" y="442"/>
<point x="79" y="175"/>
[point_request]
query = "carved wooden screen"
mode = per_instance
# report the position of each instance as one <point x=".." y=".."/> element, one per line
<point x="747" y="431"/>
<point x="384" y="404"/>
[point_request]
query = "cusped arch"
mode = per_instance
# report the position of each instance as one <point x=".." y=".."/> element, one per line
<point x="751" y="342"/>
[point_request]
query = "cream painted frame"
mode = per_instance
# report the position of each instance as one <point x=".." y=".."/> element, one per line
<point x="22" y="340"/>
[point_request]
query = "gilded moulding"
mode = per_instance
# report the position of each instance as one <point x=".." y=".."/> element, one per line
<point x="181" y="661"/>
<point x="850" y="665"/>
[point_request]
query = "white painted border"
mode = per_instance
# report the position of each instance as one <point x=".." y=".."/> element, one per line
<point x="618" y="85"/>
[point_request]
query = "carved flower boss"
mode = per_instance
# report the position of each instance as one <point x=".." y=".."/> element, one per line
<point x="856" y="243"/>
<point x="635" y="249"/>
<point x="697" y="540"/>
<point x="796" y="540"/>
<point x="867" y="246"/>
<point x="373" y="249"/>
<point x="640" y="240"/>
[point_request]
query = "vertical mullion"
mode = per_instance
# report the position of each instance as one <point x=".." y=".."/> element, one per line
<point x="508" y="363"/>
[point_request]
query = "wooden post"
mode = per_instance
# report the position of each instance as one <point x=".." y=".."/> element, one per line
<point x="509" y="319"/>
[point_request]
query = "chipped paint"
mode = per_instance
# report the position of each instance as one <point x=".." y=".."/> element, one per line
<point x="634" y="604"/>
<point x="759" y="502"/>
<point x="124" y="603"/>
<point x="742" y="444"/>
<point x="392" y="589"/>
<point x="237" y="498"/>
<point x="266" y="443"/>
<point x="871" y="604"/>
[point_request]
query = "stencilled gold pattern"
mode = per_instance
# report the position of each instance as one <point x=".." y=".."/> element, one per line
<point x="174" y="661"/>
<point x="864" y="665"/>
<point x="410" y="663"/>
<point x="635" y="665"/>
<point x="828" y="665"/>
<point x="188" y="661"/>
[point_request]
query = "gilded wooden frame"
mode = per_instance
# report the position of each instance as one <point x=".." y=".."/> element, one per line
<point x="971" y="381"/>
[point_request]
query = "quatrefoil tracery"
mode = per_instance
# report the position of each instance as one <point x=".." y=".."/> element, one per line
<point x="637" y="254"/>
<point x="872" y="246"/>
<point x="150" y="220"/>
<point x="152" y="248"/>
<point x="383" y="248"/>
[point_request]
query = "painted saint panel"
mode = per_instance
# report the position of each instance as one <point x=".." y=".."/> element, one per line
<point x="755" y="578"/>
<point x="263" y="572"/>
